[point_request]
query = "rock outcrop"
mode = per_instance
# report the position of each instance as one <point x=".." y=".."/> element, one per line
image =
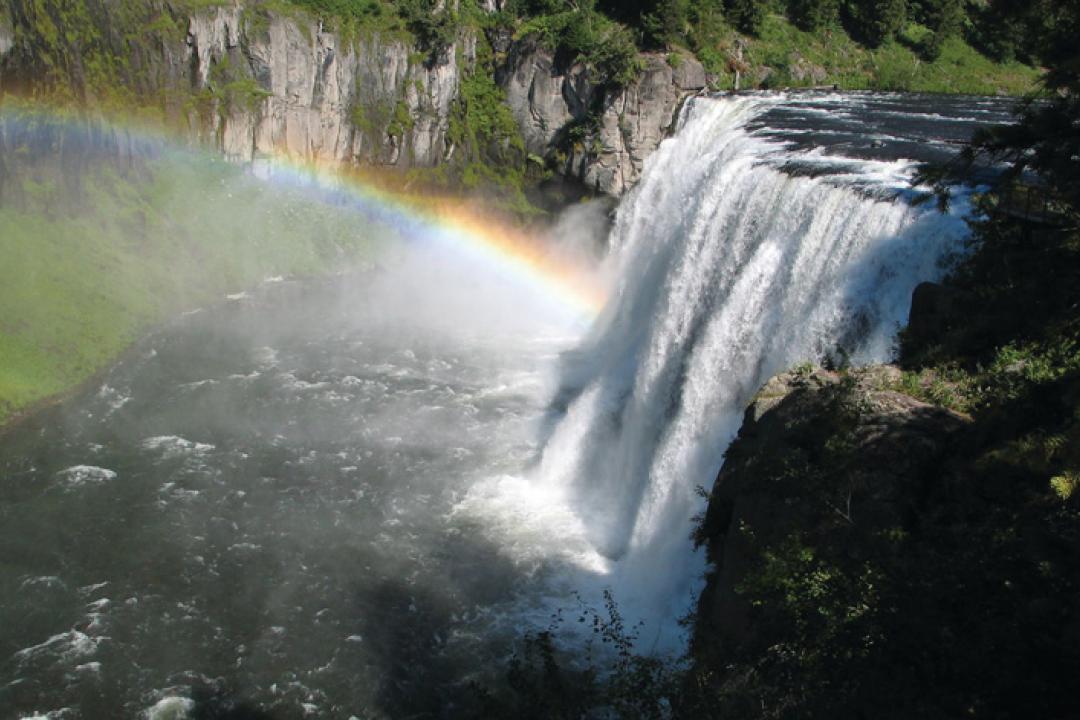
<point x="858" y="448"/>
<point x="7" y="39"/>
<point x="317" y="97"/>
<point x="634" y="121"/>
<point x="370" y="102"/>
<point x="617" y="129"/>
<point x="544" y="98"/>
<point x="258" y="81"/>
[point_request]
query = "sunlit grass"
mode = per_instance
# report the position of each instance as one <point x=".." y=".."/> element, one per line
<point x="85" y="273"/>
<point x="786" y="51"/>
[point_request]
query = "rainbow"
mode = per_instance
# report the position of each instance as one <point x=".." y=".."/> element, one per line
<point x="513" y="252"/>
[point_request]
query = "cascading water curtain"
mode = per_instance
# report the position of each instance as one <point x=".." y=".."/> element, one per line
<point x="729" y="271"/>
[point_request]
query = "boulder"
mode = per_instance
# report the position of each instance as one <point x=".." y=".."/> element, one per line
<point x="934" y="312"/>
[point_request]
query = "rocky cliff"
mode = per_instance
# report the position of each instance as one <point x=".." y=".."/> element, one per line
<point x="7" y="39"/>
<point x="808" y="529"/>
<point x="816" y="451"/>
<point x="618" y="128"/>
<point x="257" y="81"/>
<point x="318" y="97"/>
<point x="7" y="42"/>
<point x="873" y="555"/>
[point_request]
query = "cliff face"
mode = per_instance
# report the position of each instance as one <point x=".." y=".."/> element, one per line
<point x="7" y="42"/>
<point x="817" y="456"/>
<point x="877" y="556"/>
<point x="823" y="554"/>
<point x="260" y="81"/>
<point x="608" y="156"/>
<point x="6" y="39"/>
<point x="317" y="97"/>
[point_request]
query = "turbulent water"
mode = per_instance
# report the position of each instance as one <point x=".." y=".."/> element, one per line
<point x="771" y="231"/>
<point x="345" y="497"/>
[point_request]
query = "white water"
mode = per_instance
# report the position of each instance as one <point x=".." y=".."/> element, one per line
<point x="728" y="271"/>
<point x="327" y="495"/>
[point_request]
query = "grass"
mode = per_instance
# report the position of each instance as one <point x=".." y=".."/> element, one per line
<point x="896" y="66"/>
<point x="83" y="278"/>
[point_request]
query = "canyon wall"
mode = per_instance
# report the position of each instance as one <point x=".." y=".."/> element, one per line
<point x="255" y="81"/>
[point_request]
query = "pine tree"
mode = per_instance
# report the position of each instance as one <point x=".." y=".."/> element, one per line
<point x="875" y="22"/>
<point x="813" y="14"/>
<point x="746" y="15"/>
<point x="945" y="18"/>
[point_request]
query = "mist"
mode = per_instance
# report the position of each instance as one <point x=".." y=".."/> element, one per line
<point x="294" y="473"/>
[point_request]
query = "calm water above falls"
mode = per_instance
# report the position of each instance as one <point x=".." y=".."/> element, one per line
<point x="339" y="498"/>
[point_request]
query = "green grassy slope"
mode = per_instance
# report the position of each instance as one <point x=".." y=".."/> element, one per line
<point x="83" y="276"/>
<point x="792" y="54"/>
<point x="77" y="286"/>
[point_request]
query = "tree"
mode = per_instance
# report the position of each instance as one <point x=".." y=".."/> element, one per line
<point x="746" y="15"/>
<point x="435" y="28"/>
<point x="813" y="15"/>
<point x="944" y="18"/>
<point x="875" y="22"/>
<point x="1024" y="29"/>
<point x="666" y="24"/>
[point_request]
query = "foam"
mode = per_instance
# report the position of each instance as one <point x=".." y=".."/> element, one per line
<point x="171" y="708"/>
<point x="175" y="446"/>
<point x="80" y="476"/>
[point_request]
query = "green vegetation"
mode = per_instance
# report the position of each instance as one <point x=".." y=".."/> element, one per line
<point x="870" y="44"/>
<point x="608" y="679"/>
<point x="101" y="53"/>
<point x="487" y="153"/>
<point x="228" y="90"/>
<point x="432" y="24"/>
<point x="827" y="56"/>
<point x="581" y="34"/>
<point x="400" y="121"/>
<point x="952" y="593"/>
<point x="882" y="583"/>
<point x="492" y="152"/>
<point x="92" y="258"/>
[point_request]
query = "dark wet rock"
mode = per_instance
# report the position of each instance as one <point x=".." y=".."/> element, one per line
<point x="934" y="311"/>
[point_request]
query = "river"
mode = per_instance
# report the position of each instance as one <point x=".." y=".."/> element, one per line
<point x="348" y="496"/>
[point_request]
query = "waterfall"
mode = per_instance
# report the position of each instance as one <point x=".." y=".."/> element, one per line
<point x="727" y="270"/>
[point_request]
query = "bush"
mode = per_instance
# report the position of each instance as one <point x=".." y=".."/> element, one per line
<point x="811" y="15"/>
<point x="874" y="22"/>
<point x="435" y="29"/>
<point x="588" y="37"/>
<point x="546" y="682"/>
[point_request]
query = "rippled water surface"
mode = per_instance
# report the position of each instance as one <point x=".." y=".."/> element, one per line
<point x="345" y="497"/>
<point x="269" y="500"/>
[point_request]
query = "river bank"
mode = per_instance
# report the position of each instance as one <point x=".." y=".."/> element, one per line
<point x="99" y="247"/>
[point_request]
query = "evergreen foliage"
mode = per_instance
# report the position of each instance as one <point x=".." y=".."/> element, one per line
<point x="580" y="33"/>
<point x="944" y="19"/>
<point x="745" y="15"/>
<point x="811" y="15"/>
<point x="966" y="606"/>
<point x="875" y="22"/>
